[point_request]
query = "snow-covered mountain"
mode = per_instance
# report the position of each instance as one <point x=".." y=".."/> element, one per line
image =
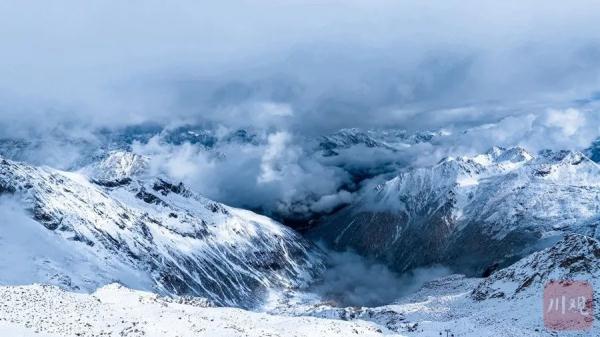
<point x="113" y="221"/>
<point x="474" y="214"/>
<point x="575" y="257"/>
<point x="387" y="139"/>
<point x="117" y="167"/>
<point x="146" y="233"/>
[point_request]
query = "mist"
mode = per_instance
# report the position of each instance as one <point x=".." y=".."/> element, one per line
<point x="354" y="280"/>
<point x="283" y="175"/>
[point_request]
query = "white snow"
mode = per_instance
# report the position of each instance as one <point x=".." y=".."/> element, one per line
<point x="117" y="311"/>
<point x="500" y="191"/>
<point x="147" y="234"/>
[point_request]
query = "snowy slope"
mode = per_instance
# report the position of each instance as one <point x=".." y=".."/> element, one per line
<point x="576" y="257"/>
<point x="117" y="166"/>
<point x="112" y="222"/>
<point x="117" y="311"/>
<point x="463" y="306"/>
<point x="148" y="234"/>
<point x="508" y="303"/>
<point x="471" y="213"/>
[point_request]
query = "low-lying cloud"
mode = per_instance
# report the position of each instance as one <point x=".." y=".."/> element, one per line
<point x="353" y="280"/>
<point x="276" y="176"/>
<point x="286" y="175"/>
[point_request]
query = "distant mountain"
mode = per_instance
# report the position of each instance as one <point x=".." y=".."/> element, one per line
<point x="117" y="167"/>
<point x="94" y="145"/>
<point x="208" y="137"/>
<point x="388" y="139"/>
<point x="474" y="214"/>
<point x="147" y="232"/>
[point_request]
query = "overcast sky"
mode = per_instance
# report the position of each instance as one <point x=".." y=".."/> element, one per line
<point x="304" y="65"/>
<point x="512" y="72"/>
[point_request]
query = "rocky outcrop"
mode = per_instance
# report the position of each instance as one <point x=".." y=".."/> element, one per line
<point x="575" y="257"/>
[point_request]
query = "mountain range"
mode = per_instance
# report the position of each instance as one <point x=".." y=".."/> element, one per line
<point x="475" y="214"/>
<point x="505" y="222"/>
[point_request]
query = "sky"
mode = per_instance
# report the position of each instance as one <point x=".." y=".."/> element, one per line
<point x="523" y="73"/>
<point x="306" y="66"/>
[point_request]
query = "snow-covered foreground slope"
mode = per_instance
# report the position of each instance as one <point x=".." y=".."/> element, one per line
<point x="463" y="306"/>
<point x="508" y="303"/>
<point x="511" y="301"/>
<point x="146" y="233"/>
<point x="117" y="311"/>
<point x="15" y="330"/>
<point x="474" y="214"/>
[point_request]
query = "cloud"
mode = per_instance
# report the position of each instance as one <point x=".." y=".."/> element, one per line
<point x="569" y="121"/>
<point x="276" y="175"/>
<point x="328" y="203"/>
<point x="377" y="64"/>
<point x="353" y="280"/>
<point x="278" y="153"/>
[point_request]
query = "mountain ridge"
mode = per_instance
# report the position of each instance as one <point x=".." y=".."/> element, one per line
<point x="473" y="213"/>
<point x="180" y="242"/>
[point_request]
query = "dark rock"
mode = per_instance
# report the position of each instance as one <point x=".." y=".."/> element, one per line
<point x="113" y="183"/>
<point x="150" y="198"/>
<point x="165" y="187"/>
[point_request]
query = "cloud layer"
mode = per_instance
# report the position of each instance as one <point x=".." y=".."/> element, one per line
<point x="300" y="65"/>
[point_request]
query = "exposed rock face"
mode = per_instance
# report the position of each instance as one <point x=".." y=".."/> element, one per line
<point x="475" y="214"/>
<point x="576" y="257"/>
<point x="162" y="235"/>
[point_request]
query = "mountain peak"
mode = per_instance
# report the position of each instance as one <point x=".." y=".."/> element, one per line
<point x="118" y="166"/>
